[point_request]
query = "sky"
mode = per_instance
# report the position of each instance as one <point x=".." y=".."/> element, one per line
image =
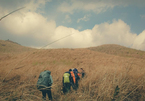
<point x="73" y="23"/>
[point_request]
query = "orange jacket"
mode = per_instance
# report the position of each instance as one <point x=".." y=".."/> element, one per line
<point x="73" y="76"/>
<point x="79" y="74"/>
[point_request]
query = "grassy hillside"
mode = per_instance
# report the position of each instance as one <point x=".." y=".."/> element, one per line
<point x="104" y="72"/>
<point x="119" y="50"/>
<point x="12" y="47"/>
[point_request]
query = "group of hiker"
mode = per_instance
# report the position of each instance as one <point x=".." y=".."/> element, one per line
<point x="70" y="79"/>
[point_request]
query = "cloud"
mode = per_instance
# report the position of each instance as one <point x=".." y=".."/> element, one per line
<point x="32" y="5"/>
<point x="77" y="5"/>
<point x="96" y="6"/>
<point x="32" y="29"/>
<point x="79" y="27"/>
<point x="139" y="42"/>
<point x="117" y="32"/>
<point x="75" y="38"/>
<point x="142" y="16"/>
<point x="35" y="30"/>
<point x="68" y="19"/>
<point x="85" y="18"/>
<point x="29" y="25"/>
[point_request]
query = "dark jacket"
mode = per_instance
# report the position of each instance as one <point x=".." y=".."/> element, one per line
<point x="70" y="78"/>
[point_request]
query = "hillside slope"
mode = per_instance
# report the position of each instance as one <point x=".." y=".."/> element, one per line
<point x="19" y="71"/>
<point x="10" y="46"/>
<point x="118" y="50"/>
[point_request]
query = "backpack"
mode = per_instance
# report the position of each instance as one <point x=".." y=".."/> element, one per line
<point x="44" y="80"/>
<point x="73" y="77"/>
<point x="66" y="77"/>
<point x="75" y="70"/>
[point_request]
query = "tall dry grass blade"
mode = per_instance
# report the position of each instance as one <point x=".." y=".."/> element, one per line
<point x="131" y="92"/>
<point x="11" y="13"/>
<point x="56" y="40"/>
<point x="16" y="65"/>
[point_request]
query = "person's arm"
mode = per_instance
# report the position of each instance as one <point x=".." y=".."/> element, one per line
<point x="71" y="79"/>
<point x="63" y="81"/>
<point x="78" y="78"/>
<point x="51" y="80"/>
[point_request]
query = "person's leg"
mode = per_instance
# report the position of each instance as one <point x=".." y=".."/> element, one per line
<point x="49" y="94"/>
<point x="73" y="86"/>
<point x="44" y="94"/>
<point x="64" y="88"/>
<point x="77" y="85"/>
<point x="83" y="74"/>
<point x="67" y="87"/>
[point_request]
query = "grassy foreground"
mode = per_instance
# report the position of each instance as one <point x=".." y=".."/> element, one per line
<point x="108" y="77"/>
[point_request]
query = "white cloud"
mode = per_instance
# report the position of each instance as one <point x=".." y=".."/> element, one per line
<point x="33" y="5"/>
<point x="37" y="27"/>
<point x="75" y="38"/>
<point x="139" y="42"/>
<point x="96" y="6"/>
<point x="117" y="32"/>
<point x="85" y="18"/>
<point x="32" y="25"/>
<point x="29" y="24"/>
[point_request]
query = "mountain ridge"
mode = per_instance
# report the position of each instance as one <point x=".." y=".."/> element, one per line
<point x="112" y="49"/>
<point x="119" y="50"/>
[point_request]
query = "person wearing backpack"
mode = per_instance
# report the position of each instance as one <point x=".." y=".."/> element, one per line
<point x="74" y="79"/>
<point x="75" y="70"/>
<point x="44" y="84"/>
<point x="67" y="81"/>
<point x="77" y="78"/>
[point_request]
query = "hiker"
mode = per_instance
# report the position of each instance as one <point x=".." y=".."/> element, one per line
<point x="74" y="79"/>
<point x="77" y="78"/>
<point x="75" y="70"/>
<point x="44" y="84"/>
<point x="82" y="72"/>
<point x="67" y="81"/>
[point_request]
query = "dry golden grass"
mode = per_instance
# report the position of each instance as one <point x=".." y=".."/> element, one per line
<point x="104" y="72"/>
<point x="119" y="51"/>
